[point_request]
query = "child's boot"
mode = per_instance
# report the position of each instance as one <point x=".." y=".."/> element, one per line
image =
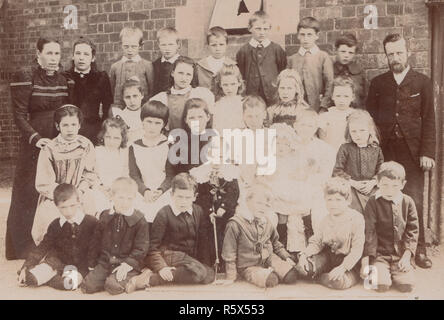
<point x="405" y="287"/>
<point x="291" y="276"/>
<point x="139" y="282"/>
<point x="382" y="288"/>
<point x="272" y="280"/>
<point x="30" y="279"/>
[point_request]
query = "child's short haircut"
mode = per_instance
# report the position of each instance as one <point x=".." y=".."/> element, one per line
<point x="68" y="110"/>
<point x="309" y="23"/>
<point x="155" y="109"/>
<point x="128" y="32"/>
<point x="344" y="82"/>
<point x="115" y="122"/>
<point x="65" y="191"/>
<point x="347" y="39"/>
<point x="338" y="185"/>
<point x="132" y="82"/>
<point x="259" y="15"/>
<point x="392" y="170"/>
<point x="217" y="32"/>
<point x="195" y="103"/>
<point x="253" y="102"/>
<point x="125" y="183"/>
<point x="168" y="31"/>
<point x="229" y="70"/>
<point x="364" y="116"/>
<point x="84" y="40"/>
<point x="183" y="181"/>
<point x="42" y="41"/>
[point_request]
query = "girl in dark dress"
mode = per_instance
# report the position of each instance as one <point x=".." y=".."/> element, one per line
<point x="92" y="88"/>
<point x="35" y="92"/>
<point x="360" y="158"/>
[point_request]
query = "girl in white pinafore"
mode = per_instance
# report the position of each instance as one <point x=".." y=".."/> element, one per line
<point x="148" y="160"/>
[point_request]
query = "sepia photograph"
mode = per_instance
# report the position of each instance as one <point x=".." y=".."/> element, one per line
<point x="221" y="150"/>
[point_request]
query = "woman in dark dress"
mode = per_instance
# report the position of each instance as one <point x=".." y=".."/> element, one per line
<point x="92" y="88"/>
<point x="35" y="93"/>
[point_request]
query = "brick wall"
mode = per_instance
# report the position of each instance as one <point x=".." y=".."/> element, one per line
<point x="408" y="17"/>
<point x="102" y="20"/>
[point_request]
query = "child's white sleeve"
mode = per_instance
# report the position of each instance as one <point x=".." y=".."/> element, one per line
<point x="45" y="180"/>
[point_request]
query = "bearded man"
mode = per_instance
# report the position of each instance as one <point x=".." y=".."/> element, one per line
<point x="401" y="103"/>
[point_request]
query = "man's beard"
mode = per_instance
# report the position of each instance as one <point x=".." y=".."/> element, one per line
<point x="398" y="67"/>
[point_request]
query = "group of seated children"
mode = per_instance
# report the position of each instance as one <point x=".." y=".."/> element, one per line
<point x="120" y="252"/>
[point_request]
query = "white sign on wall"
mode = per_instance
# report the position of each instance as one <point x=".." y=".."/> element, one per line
<point x="233" y="15"/>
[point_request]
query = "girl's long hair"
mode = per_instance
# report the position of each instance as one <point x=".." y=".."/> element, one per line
<point x="115" y="122"/>
<point x="364" y="116"/>
<point x="229" y="70"/>
<point x="300" y="92"/>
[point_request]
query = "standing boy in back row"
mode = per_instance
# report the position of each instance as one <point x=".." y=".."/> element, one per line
<point x="314" y="65"/>
<point x="261" y="60"/>
<point x="131" y="64"/>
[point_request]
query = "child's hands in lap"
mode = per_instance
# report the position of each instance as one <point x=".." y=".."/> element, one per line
<point x="336" y="273"/>
<point x="122" y="271"/>
<point x="166" y="274"/>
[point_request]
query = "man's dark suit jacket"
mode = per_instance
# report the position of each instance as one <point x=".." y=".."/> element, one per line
<point x="410" y="104"/>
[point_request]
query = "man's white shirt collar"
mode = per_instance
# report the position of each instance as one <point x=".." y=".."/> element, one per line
<point x="254" y="43"/>
<point x="312" y="50"/>
<point x="181" y="91"/>
<point x="134" y="59"/>
<point x="399" y="77"/>
<point x="170" y="60"/>
<point x="78" y="218"/>
<point x="177" y="212"/>
<point x="396" y="200"/>
<point x="126" y="214"/>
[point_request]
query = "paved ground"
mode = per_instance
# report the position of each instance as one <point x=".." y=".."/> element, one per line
<point x="430" y="282"/>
